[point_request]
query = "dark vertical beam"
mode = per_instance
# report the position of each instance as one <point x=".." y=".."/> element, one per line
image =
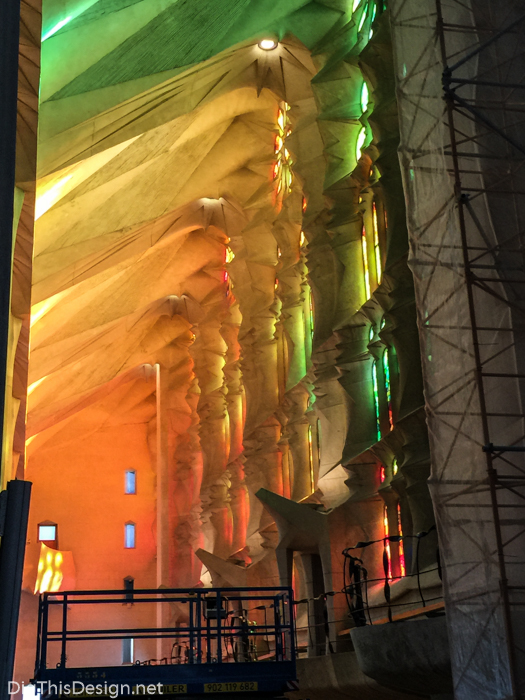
<point x="9" y="47"/>
<point x="14" y="528"/>
<point x="11" y="567"/>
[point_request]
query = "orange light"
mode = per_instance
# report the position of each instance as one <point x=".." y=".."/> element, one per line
<point x="387" y="542"/>
<point x="55" y="570"/>
<point x="402" y="566"/>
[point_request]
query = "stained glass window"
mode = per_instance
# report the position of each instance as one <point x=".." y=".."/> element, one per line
<point x="377" y="249"/>
<point x="402" y="567"/>
<point x="282" y="169"/>
<point x="364" y="247"/>
<point x="311" y="459"/>
<point x="360" y="143"/>
<point x="376" y="399"/>
<point x="386" y="541"/>
<point x="386" y="372"/>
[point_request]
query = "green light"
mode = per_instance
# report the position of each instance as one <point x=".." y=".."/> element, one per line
<point x="371" y="333"/>
<point x="376" y="400"/>
<point x="363" y="17"/>
<point x="386" y="371"/>
<point x="364" y="97"/>
<point x="360" y="143"/>
<point x="356" y="5"/>
<point x="311" y="316"/>
<point x="364" y="248"/>
<point x="56" y="28"/>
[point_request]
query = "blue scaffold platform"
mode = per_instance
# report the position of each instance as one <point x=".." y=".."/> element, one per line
<point x="231" y="642"/>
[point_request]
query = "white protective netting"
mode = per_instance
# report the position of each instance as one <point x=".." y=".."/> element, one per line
<point x="482" y="644"/>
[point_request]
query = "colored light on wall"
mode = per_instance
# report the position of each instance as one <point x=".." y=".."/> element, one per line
<point x="311" y="459"/>
<point x="55" y="571"/>
<point x="360" y="143"/>
<point x="364" y="247"/>
<point x="395" y="467"/>
<point x="386" y="371"/>
<point x="361" y="23"/>
<point x="376" y="400"/>
<point x="230" y="255"/>
<point x="387" y="542"/>
<point x="402" y="566"/>
<point x="282" y="169"/>
<point x="34" y="385"/>
<point x="311" y="313"/>
<point x="49" y="572"/>
<point x="377" y="249"/>
<point x="382" y="474"/>
<point x="364" y="97"/>
<point x="56" y="28"/>
<point x="47" y="199"/>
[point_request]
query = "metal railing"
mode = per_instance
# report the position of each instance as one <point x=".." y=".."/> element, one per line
<point x="222" y="625"/>
<point x="356" y="581"/>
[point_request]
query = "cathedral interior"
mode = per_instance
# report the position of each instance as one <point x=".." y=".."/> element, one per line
<point x="218" y="373"/>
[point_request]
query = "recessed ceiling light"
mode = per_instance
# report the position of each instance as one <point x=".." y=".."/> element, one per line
<point x="267" y="44"/>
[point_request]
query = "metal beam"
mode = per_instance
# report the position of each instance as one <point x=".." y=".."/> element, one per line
<point x="11" y="567"/>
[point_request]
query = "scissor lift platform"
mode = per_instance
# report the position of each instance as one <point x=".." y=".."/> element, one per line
<point x="235" y="642"/>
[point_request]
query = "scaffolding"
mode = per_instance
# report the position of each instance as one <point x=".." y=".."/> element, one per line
<point x="460" y="70"/>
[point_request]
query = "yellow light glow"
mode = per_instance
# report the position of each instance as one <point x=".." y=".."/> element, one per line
<point x="50" y="570"/>
<point x="41" y="309"/>
<point x="377" y="249"/>
<point x="45" y="200"/>
<point x="365" y="263"/>
<point x="360" y="143"/>
<point x="267" y="44"/>
<point x="34" y="385"/>
<point x="230" y="255"/>
<point x="282" y="169"/>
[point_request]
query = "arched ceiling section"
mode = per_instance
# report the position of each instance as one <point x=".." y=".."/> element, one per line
<point x="159" y="238"/>
<point x="111" y="51"/>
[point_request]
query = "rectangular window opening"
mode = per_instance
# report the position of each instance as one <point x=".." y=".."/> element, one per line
<point x="129" y="585"/>
<point x="47" y="533"/>
<point x="129" y="536"/>
<point x="128" y="656"/>
<point x="130" y="484"/>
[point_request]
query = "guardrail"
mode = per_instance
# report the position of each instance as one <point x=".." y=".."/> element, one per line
<point x="242" y="625"/>
<point x="356" y="590"/>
